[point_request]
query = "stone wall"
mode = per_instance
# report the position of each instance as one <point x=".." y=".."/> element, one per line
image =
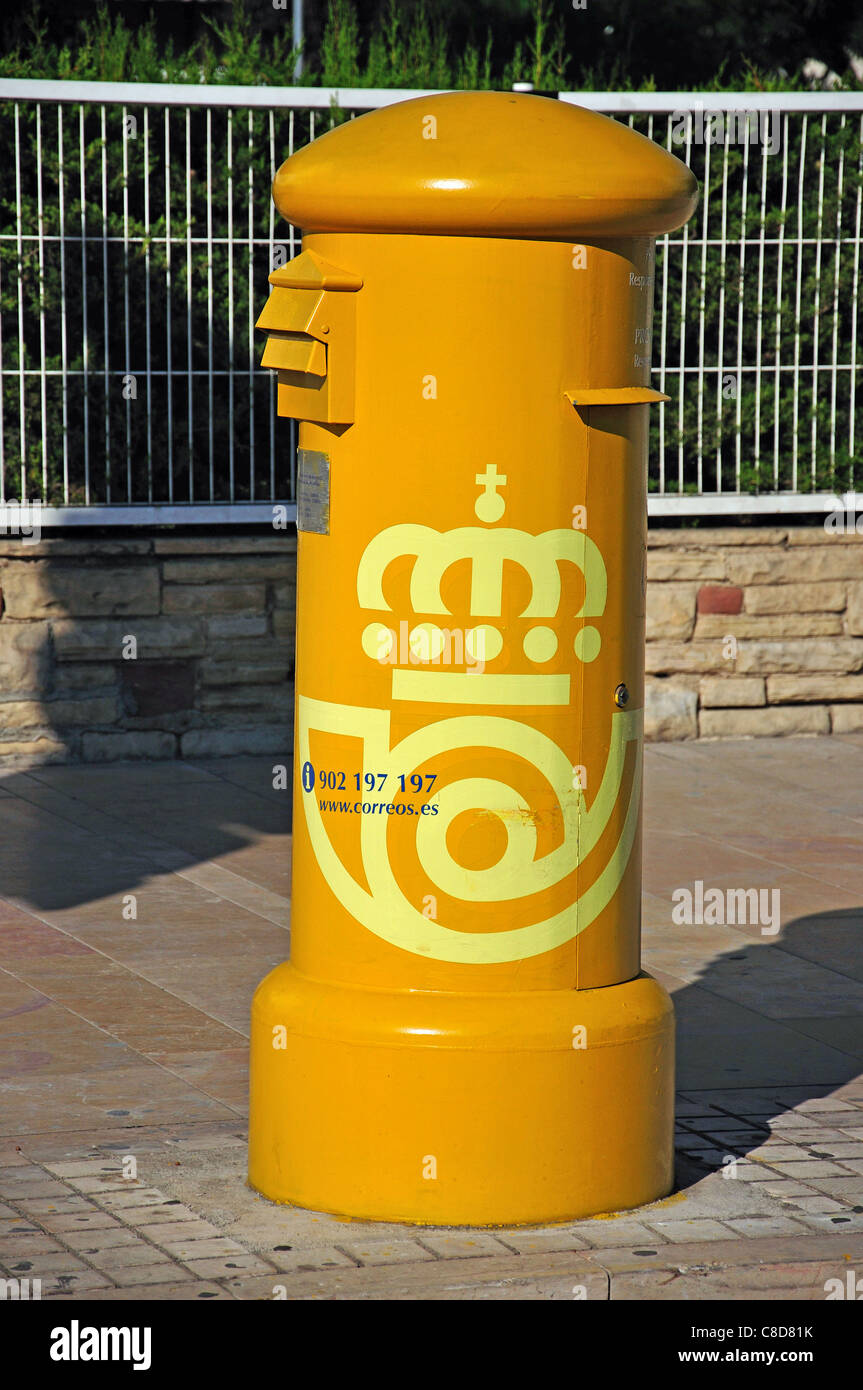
<point x="754" y="631"/>
<point x="750" y="631"/>
<point x="146" y="645"/>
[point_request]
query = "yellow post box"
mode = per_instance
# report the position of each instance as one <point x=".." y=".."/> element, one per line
<point x="464" y="1034"/>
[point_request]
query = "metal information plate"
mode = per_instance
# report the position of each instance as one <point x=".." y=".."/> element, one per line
<point x="313" y="491"/>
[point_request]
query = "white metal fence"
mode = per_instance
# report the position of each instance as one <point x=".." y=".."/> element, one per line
<point x="137" y="233"/>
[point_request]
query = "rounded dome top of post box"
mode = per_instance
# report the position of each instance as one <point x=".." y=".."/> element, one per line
<point x="496" y="164"/>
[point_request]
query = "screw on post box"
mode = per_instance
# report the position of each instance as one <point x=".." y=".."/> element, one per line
<point x="464" y="1034"/>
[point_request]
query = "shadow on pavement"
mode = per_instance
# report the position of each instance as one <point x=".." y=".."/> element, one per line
<point x="767" y="1027"/>
<point x="71" y="836"/>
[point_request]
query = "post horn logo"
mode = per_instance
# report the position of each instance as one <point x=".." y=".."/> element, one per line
<point x="548" y="834"/>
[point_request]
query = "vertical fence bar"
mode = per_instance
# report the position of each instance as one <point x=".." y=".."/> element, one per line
<point x="738" y="402"/>
<point x="720" y="348"/>
<point x="64" y="362"/>
<point x="663" y="334"/>
<point x="681" y="377"/>
<point x="85" y="345"/>
<point x="816" y="310"/>
<point x="210" y="298"/>
<point x="230" y="154"/>
<point x="797" y="304"/>
<point x="43" y="379"/>
<point x="148" y="323"/>
<point x="169" y="361"/>
<point x="127" y="371"/>
<point x="105" y="319"/>
<point x="22" y="420"/>
<point x="759" y="314"/>
<point x="655" y="272"/>
<point x="251" y="325"/>
<point x="702" y="315"/>
<point x="777" y="346"/>
<point x="189" y="338"/>
<point x="834" y="370"/>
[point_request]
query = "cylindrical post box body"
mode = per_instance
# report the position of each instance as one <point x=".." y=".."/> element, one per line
<point x="464" y="1035"/>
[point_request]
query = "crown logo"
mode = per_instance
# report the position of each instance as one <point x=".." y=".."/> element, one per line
<point x="425" y="643"/>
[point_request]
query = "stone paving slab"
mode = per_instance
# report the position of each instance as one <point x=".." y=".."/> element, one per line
<point x="485" y="1277"/>
<point x="125" y="1038"/>
<point x="795" y="1282"/>
<point x="189" y="1291"/>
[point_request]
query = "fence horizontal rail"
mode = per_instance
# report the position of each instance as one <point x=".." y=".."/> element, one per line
<point x="137" y="233"/>
<point x="15" y="519"/>
<point x="370" y="98"/>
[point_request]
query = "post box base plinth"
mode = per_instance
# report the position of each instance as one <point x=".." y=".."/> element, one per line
<point x="461" y="1109"/>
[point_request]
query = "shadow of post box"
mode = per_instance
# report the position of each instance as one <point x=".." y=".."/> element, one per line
<point x="464" y="1034"/>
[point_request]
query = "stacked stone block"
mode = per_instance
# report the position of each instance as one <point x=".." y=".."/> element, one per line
<point x="208" y="671"/>
<point x="754" y="631"/>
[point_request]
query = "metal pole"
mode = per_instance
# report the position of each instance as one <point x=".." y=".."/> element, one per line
<point x="298" y="37"/>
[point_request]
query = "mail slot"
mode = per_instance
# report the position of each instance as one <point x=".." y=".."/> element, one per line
<point x="310" y="320"/>
<point x="464" y="1034"/>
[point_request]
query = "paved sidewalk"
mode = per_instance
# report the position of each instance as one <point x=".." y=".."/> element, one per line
<point x="143" y="903"/>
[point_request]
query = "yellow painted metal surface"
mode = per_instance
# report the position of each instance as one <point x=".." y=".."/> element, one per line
<point x="464" y="1035"/>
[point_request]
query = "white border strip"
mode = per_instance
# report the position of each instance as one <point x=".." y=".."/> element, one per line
<point x="634" y="102"/>
<point x="261" y="513"/>
<point x="181" y="514"/>
<point x="742" y="504"/>
<point x="203" y="94"/>
<point x="370" y="98"/>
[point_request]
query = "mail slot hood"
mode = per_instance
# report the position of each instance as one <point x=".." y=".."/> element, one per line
<point x="310" y="322"/>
